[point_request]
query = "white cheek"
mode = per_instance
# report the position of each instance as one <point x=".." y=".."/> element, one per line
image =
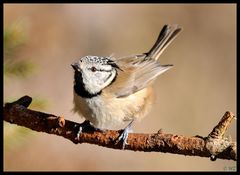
<point x="98" y="75"/>
<point x="99" y="78"/>
<point x="95" y="82"/>
<point x="91" y="82"/>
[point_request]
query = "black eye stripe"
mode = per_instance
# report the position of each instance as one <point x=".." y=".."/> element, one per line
<point x="99" y="70"/>
<point x="102" y="70"/>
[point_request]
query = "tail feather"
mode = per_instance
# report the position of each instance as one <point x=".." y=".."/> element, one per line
<point x="166" y="36"/>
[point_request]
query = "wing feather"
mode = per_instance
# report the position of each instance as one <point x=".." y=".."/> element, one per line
<point x="138" y="71"/>
<point x="137" y="74"/>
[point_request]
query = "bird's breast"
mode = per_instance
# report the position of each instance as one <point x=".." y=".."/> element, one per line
<point x="106" y="112"/>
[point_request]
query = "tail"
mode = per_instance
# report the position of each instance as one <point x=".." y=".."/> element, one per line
<point x="166" y="36"/>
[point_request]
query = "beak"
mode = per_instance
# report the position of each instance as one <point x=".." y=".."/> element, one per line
<point x="75" y="67"/>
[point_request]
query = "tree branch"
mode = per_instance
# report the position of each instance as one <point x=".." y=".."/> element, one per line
<point x="213" y="146"/>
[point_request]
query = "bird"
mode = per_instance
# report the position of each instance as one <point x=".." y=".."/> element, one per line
<point x="112" y="93"/>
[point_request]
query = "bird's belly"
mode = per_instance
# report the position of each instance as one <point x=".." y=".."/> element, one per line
<point x="114" y="113"/>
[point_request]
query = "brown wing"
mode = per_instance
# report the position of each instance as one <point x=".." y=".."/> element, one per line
<point x="136" y="74"/>
<point x="138" y="71"/>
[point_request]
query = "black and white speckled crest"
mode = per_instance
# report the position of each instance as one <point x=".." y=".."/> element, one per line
<point x="99" y="60"/>
<point x="96" y="59"/>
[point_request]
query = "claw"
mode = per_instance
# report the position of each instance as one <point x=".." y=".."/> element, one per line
<point x="82" y="126"/>
<point x="79" y="132"/>
<point x="124" y="135"/>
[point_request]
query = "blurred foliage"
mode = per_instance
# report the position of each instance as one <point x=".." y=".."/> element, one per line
<point x="15" y="37"/>
<point x="18" y="69"/>
<point x="14" y="136"/>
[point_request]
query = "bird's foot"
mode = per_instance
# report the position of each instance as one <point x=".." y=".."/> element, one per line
<point x="85" y="126"/>
<point x="124" y="135"/>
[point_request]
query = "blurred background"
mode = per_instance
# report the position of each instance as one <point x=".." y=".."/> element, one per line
<point x="41" y="41"/>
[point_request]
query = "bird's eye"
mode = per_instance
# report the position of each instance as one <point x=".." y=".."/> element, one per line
<point x="93" y="69"/>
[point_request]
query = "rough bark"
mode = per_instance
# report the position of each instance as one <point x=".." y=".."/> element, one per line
<point x="215" y="145"/>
